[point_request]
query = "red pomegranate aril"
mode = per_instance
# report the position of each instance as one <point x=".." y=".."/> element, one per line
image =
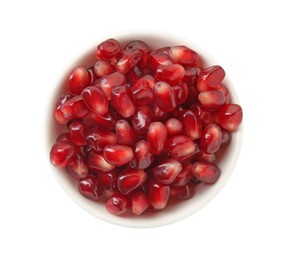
<point x="103" y="68"/>
<point x="122" y="101"/>
<point x="108" y="82"/>
<point x="208" y="157"/>
<point x="182" y="192"/>
<point x="212" y="99"/>
<point x="98" y="138"/>
<point x="77" y="131"/>
<point x="150" y="79"/>
<point x="118" y="155"/>
<point x="184" y="176"/>
<point x="180" y="146"/>
<point x="142" y="46"/>
<point x="180" y="93"/>
<point x="74" y="108"/>
<point x="173" y="127"/>
<point x="192" y="125"/>
<point x="143" y="158"/>
<point x="107" y="120"/>
<point x="134" y="75"/>
<point x="79" y="78"/>
<point x="192" y="98"/>
<point x="156" y="59"/>
<point x="128" y="60"/>
<point x="206" y="116"/>
<point x="229" y="117"/>
<point x="226" y="92"/>
<point x="108" y="49"/>
<point x="164" y="50"/>
<point x="210" y="78"/>
<point x="91" y="74"/>
<point x="64" y="137"/>
<point x="140" y="202"/>
<point x="141" y="121"/>
<point x="166" y="172"/>
<point x="142" y="93"/>
<point x="184" y="56"/>
<point x="130" y="179"/>
<point x="78" y="168"/>
<point x="97" y="162"/>
<point x="108" y="180"/>
<point x="171" y="74"/>
<point x="211" y="138"/>
<point x="206" y="172"/>
<point x="164" y="96"/>
<point x="158" y="114"/>
<point x="158" y="194"/>
<point x="95" y="99"/>
<point x="58" y="115"/>
<point x="190" y="76"/>
<point x="226" y="138"/>
<point x="125" y="133"/>
<point x="117" y="204"/>
<point x="156" y="137"/>
<point x="90" y="188"/>
<point x="62" y="153"/>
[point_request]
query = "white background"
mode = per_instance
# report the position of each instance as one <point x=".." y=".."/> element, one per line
<point x="41" y="38"/>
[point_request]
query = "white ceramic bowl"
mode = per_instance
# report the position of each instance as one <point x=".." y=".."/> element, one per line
<point x="172" y="213"/>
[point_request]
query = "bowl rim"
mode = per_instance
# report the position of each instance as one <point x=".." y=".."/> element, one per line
<point x="119" y="220"/>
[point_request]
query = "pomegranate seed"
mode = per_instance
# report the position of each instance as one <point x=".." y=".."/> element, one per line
<point x="226" y="138"/>
<point x="206" y="172"/>
<point x="103" y="68"/>
<point x="95" y="99"/>
<point x="108" y="120"/>
<point x="211" y="138"/>
<point x="158" y="194"/>
<point x="143" y="158"/>
<point x="62" y="153"/>
<point x="226" y="92"/>
<point x="141" y="121"/>
<point x="98" y="138"/>
<point x="122" y="101"/>
<point x="142" y="93"/>
<point x="64" y="137"/>
<point x="108" y="82"/>
<point x="184" y="176"/>
<point x="156" y="137"/>
<point x="159" y="115"/>
<point x="129" y="60"/>
<point x="89" y="188"/>
<point x="180" y="93"/>
<point x="97" y="162"/>
<point x="134" y="75"/>
<point x="164" y="50"/>
<point x="156" y="59"/>
<point x="230" y="117"/>
<point x="173" y="127"/>
<point x="180" y="146"/>
<point x="108" y="49"/>
<point x="190" y="76"/>
<point x="184" y="56"/>
<point x="91" y="75"/>
<point x="108" y="180"/>
<point x="58" y="115"/>
<point x="166" y="171"/>
<point x="192" y="125"/>
<point x="117" y="204"/>
<point x="142" y="46"/>
<point x="202" y="156"/>
<point x="140" y="202"/>
<point x="164" y="96"/>
<point x="125" y="133"/>
<point x="130" y="179"/>
<point x="212" y="99"/>
<point x="118" y="155"/>
<point x="77" y="131"/>
<point x="195" y="181"/>
<point x="74" y="108"/>
<point x="171" y="74"/>
<point x="182" y="192"/>
<point x="78" y="168"/>
<point x="206" y="116"/>
<point x="150" y="79"/>
<point x="192" y="96"/>
<point x="210" y="78"/>
<point x="79" y="78"/>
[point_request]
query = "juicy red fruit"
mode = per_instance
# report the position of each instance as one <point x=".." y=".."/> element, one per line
<point x="156" y="137"/>
<point x="79" y="78"/>
<point x="211" y="138"/>
<point x="118" y="155"/>
<point x="171" y="74"/>
<point x="230" y="117"/>
<point x="89" y="188"/>
<point x="117" y="204"/>
<point x="164" y="96"/>
<point x="108" y="49"/>
<point x="206" y="172"/>
<point x="77" y="131"/>
<point x="140" y="202"/>
<point x="158" y="194"/>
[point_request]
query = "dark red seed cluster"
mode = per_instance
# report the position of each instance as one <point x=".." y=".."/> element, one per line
<point x="143" y="126"/>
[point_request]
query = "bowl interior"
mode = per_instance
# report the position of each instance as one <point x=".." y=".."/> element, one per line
<point x="174" y="211"/>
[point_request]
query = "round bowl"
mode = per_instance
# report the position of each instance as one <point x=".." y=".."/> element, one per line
<point x="173" y="212"/>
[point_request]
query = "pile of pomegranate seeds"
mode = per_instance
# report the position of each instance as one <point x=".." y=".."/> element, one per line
<point x="143" y="126"/>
